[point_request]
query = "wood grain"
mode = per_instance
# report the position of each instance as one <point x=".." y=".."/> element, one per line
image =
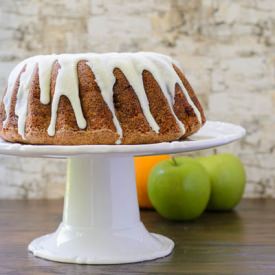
<point x="239" y="242"/>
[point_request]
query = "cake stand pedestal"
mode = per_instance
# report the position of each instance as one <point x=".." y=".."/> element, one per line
<point x="101" y="222"/>
<point x="101" y="217"/>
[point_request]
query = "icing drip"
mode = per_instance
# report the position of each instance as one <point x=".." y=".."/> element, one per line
<point x="67" y="85"/>
<point x="105" y="81"/>
<point x="11" y="84"/>
<point x="45" y="64"/>
<point x="102" y="65"/>
<point x="21" y="106"/>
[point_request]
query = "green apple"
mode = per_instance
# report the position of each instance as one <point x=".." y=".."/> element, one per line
<point x="179" y="188"/>
<point x="227" y="176"/>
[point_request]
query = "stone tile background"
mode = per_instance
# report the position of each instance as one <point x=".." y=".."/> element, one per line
<point x="227" y="49"/>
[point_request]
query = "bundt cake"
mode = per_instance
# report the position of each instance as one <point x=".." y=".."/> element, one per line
<point x="112" y="98"/>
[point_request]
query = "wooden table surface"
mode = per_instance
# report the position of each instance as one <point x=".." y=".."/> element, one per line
<point x="239" y="242"/>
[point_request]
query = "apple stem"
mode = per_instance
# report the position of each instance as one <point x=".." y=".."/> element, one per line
<point x="174" y="161"/>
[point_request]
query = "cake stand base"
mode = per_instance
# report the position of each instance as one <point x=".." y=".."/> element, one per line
<point x="101" y="223"/>
<point x="92" y="246"/>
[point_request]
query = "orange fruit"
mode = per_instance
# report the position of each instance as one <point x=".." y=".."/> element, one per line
<point x="143" y="166"/>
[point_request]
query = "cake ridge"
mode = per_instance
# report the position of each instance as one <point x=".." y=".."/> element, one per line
<point x="132" y="66"/>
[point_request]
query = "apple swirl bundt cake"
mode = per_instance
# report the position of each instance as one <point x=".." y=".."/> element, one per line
<point x="112" y="98"/>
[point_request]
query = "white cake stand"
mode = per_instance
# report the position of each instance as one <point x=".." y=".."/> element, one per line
<point x="101" y="222"/>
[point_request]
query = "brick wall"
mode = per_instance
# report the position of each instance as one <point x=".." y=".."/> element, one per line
<point x="227" y="49"/>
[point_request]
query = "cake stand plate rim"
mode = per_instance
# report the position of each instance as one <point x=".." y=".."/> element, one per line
<point x="212" y="134"/>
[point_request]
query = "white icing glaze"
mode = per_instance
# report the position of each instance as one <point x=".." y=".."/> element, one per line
<point x="67" y="85"/>
<point x="105" y="81"/>
<point x="10" y="87"/>
<point x="21" y="106"/>
<point x="131" y="64"/>
<point x="45" y="64"/>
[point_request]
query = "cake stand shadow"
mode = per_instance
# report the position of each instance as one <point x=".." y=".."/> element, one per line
<point x="101" y="222"/>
